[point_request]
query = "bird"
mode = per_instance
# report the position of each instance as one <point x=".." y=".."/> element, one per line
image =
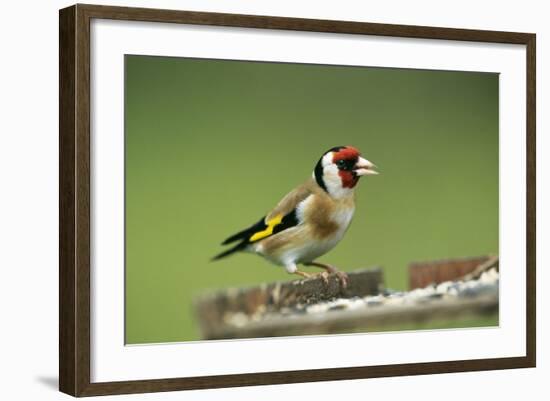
<point x="311" y="219"/>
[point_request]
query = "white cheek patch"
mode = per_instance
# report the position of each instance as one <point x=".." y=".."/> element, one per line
<point x="330" y="173"/>
<point x="327" y="159"/>
<point x="331" y="176"/>
<point x="333" y="182"/>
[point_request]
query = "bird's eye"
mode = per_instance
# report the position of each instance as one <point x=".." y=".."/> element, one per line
<point x="341" y="163"/>
<point x="344" y="164"/>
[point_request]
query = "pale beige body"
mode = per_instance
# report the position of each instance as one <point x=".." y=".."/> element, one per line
<point x="323" y="221"/>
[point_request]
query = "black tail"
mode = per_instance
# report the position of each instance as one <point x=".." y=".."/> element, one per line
<point x="239" y="247"/>
<point x="242" y="236"/>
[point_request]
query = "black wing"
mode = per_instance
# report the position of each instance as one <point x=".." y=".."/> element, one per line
<point x="260" y="230"/>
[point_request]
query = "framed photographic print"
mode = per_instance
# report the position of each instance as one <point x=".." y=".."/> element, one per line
<point x="372" y="187"/>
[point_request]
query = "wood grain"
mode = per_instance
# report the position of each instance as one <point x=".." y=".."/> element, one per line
<point x="213" y="308"/>
<point x="67" y="222"/>
<point x="422" y="274"/>
<point x="360" y="320"/>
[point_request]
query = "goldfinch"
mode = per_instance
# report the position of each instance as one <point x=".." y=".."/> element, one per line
<point x="311" y="219"/>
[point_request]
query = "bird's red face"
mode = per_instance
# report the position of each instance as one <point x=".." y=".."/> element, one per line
<point x="340" y="169"/>
<point x="345" y="160"/>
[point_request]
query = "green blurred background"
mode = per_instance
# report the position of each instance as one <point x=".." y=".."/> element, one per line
<point x="212" y="145"/>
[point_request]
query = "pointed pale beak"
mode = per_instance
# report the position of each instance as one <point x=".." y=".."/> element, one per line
<point x="364" y="167"/>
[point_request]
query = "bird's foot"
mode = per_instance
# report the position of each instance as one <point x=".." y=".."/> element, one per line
<point x="342" y="276"/>
<point x="323" y="275"/>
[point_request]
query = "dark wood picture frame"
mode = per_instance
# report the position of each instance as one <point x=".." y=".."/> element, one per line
<point x="74" y="200"/>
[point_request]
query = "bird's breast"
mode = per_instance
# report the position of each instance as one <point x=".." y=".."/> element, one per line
<point x="326" y="217"/>
<point x="322" y="224"/>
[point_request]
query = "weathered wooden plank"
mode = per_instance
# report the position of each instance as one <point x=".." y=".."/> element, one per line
<point x="422" y="274"/>
<point x="213" y="310"/>
<point x="365" y="319"/>
<point x="469" y="287"/>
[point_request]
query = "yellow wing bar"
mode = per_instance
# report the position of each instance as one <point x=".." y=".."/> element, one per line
<point x="269" y="230"/>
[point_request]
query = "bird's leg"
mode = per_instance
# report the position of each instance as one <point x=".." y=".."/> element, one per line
<point x="291" y="268"/>
<point x="342" y="276"/>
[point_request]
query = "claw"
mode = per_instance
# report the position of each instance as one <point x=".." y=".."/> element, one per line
<point x="324" y="277"/>
<point x="342" y="277"/>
